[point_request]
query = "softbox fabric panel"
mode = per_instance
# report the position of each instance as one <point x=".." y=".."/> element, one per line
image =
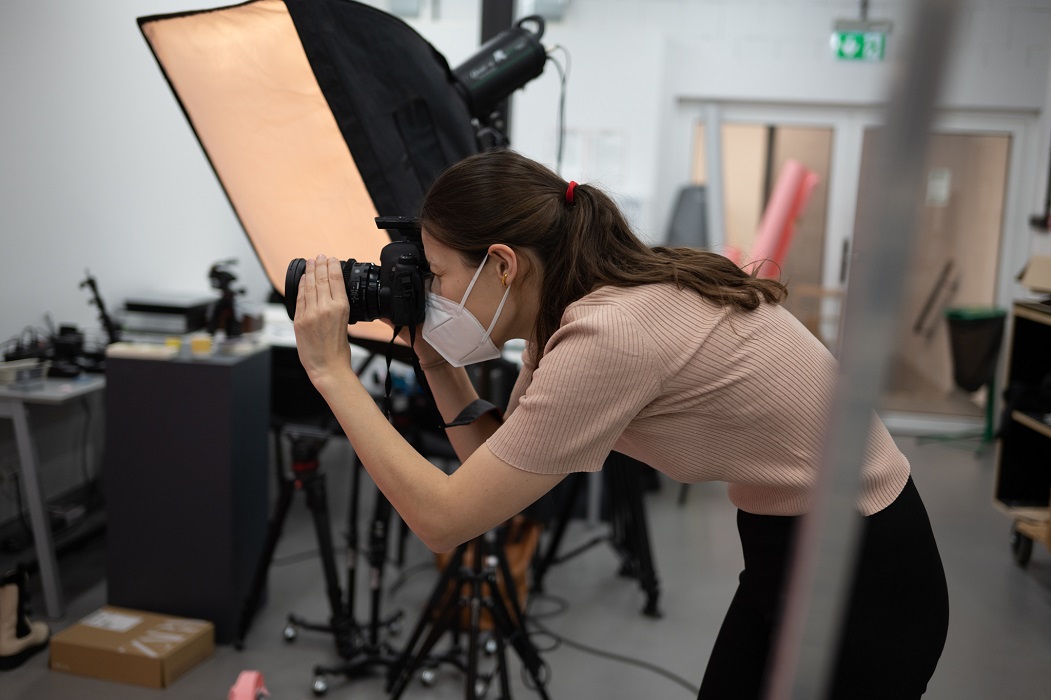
<point x="392" y="96"/>
<point x="316" y="116"/>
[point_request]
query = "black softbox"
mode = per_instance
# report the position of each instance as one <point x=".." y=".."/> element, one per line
<point x="317" y="116"/>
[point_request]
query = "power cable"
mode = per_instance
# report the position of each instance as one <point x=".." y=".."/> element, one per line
<point x="531" y="619"/>
<point x="563" y="73"/>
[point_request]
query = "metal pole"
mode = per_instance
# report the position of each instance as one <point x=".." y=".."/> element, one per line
<point x="713" y="149"/>
<point x="826" y="546"/>
<point x="498" y="15"/>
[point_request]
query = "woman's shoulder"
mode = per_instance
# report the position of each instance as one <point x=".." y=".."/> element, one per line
<point x="642" y="294"/>
<point x="664" y="310"/>
<point x="650" y="302"/>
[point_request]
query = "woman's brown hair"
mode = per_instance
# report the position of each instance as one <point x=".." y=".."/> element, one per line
<point x="503" y="197"/>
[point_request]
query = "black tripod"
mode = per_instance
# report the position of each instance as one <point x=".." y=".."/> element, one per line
<point x="359" y="647"/>
<point x="481" y="579"/>
<point x="628" y="534"/>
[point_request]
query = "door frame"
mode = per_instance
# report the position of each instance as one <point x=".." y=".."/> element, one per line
<point x="848" y="124"/>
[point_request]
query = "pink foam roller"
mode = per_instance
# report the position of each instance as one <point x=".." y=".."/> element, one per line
<point x="791" y="193"/>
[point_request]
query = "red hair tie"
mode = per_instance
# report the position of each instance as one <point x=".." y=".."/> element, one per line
<point x="569" y="192"/>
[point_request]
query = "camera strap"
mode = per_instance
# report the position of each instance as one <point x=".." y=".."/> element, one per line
<point x="472" y="412"/>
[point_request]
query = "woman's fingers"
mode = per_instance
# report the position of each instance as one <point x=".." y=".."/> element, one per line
<point x="301" y="297"/>
<point x="335" y="276"/>
<point x="321" y="269"/>
<point x="322" y="283"/>
<point x="307" y="299"/>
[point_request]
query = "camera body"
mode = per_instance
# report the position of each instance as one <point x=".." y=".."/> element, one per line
<point x="393" y="289"/>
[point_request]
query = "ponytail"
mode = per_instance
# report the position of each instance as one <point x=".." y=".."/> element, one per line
<point x="578" y="234"/>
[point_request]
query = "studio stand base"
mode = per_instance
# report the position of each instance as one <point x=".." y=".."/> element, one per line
<point x="358" y="645"/>
<point x="471" y="584"/>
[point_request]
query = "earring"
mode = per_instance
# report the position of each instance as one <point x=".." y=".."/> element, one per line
<point x="504" y="279"/>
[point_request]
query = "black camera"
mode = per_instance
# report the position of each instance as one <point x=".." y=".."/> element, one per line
<point x="393" y="290"/>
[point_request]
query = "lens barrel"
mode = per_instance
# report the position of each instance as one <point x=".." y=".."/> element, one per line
<point x="361" y="280"/>
<point x="393" y="290"/>
<point x="295" y="271"/>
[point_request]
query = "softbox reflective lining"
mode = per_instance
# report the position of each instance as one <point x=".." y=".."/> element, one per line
<point x="316" y="116"/>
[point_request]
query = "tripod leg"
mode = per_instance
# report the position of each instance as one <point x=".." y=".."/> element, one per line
<point x="448" y="619"/>
<point x="377" y="554"/>
<point x="403" y="667"/>
<point x="501" y="666"/>
<point x="475" y="603"/>
<point x="548" y="558"/>
<point x="352" y="535"/>
<point x="506" y="628"/>
<point x="273" y="534"/>
<point x="631" y="532"/>
<point x="314" y="485"/>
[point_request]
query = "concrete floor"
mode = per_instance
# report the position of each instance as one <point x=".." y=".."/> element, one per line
<point x="999" y="643"/>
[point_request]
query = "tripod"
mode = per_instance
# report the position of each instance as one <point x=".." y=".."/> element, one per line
<point x="629" y="533"/>
<point x="444" y="612"/>
<point x="359" y="648"/>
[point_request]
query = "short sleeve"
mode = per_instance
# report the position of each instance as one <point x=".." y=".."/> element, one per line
<point x="525" y="376"/>
<point x="596" y="375"/>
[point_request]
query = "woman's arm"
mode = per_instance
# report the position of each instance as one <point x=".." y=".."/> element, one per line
<point x="442" y="509"/>
<point x="453" y="391"/>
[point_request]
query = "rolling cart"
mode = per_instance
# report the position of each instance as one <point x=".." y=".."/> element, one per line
<point x="1023" y="466"/>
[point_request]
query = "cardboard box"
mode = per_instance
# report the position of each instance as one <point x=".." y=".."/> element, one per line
<point x="131" y="646"/>
<point x="1037" y="273"/>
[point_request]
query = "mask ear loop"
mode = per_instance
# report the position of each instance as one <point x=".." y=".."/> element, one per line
<point x="472" y="412"/>
<point x="503" y="300"/>
<point x="477" y="274"/>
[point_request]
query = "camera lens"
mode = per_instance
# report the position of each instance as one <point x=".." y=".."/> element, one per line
<point x="361" y="280"/>
<point x="295" y="271"/>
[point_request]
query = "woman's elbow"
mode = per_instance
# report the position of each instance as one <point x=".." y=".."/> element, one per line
<point x="440" y="537"/>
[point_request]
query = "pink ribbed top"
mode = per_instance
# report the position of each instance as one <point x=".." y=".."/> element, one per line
<point x="695" y="390"/>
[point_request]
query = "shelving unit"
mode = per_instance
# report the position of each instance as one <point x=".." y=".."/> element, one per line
<point x="1023" y="469"/>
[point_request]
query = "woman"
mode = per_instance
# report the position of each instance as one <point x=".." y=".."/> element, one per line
<point x="675" y="357"/>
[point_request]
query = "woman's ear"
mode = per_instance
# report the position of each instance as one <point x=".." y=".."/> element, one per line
<point x="507" y="262"/>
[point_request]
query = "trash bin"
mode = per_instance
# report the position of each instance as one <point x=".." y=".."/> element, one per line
<point x="975" y="336"/>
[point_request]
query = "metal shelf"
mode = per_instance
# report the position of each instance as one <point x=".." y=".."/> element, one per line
<point x="1032" y="422"/>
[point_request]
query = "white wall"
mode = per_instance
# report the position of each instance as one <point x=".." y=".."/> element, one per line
<point x="101" y="170"/>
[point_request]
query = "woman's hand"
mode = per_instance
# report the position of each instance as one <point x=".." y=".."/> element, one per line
<point x="322" y="311"/>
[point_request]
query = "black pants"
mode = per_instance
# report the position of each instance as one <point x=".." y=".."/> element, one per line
<point x="897" y="622"/>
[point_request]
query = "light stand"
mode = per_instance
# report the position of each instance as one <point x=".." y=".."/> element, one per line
<point x="471" y="587"/>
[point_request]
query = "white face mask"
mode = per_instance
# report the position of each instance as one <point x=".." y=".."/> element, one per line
<point x="455" y="333"/>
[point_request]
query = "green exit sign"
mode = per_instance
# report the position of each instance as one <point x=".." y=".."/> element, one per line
<point x="860" y="39"/>
<point x="859" y="46"/>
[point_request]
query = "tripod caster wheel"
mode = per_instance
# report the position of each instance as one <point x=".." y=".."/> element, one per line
<point x="481" y="688"/>
<point x="428" y="676"/>
<point x="491" y="647"/>
<point x="1021" y="547"/>
<point x="289" y="633"/>
<point x="320" y="686"/>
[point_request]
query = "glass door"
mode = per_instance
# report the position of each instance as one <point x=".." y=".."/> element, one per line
<point x="955" y="262"/>
<point x="976" y="198"/>
<point x="752" y="157"/>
